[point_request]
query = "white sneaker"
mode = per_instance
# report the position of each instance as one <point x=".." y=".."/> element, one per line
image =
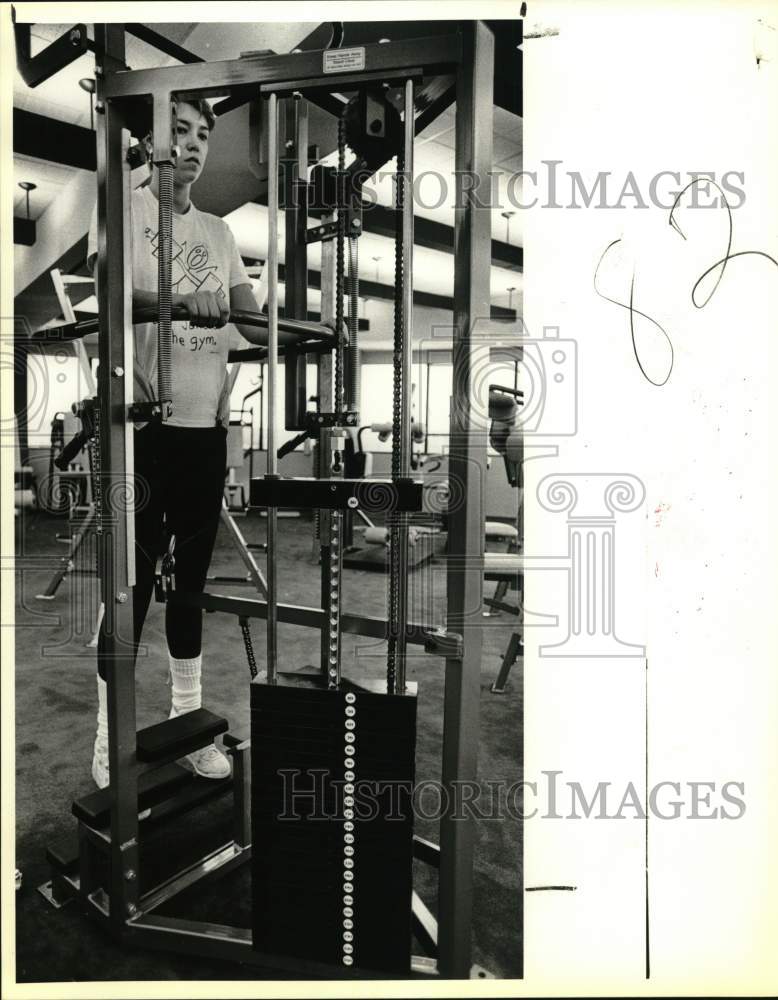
<point x="101" y="777"/>
<point x="210" y="763"/>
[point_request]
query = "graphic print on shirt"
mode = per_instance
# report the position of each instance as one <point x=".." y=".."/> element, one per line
<point x="190" y="272"/>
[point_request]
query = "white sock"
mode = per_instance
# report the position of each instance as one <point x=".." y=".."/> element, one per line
<point x="101" y="740"/>
<point x="185" y="681"/>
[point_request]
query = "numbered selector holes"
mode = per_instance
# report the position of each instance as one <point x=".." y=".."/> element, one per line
<point x="348" y="828"/>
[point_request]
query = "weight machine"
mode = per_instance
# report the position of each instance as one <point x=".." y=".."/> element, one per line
<point x="425" y="537"/>
<point x="334" y="899"/>
<point x="507" y="569"/>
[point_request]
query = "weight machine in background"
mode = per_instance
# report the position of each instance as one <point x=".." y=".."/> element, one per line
<point x="353" y="913"/>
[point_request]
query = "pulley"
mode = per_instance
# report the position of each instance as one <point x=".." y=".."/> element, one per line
<point x="374" y="129"/>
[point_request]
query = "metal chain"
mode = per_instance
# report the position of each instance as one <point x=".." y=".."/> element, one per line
<point x="97" y="490"/>
<point x="244" y="627"/>
<point x="398" y="388"/>
<point x="340" y="266"/>
<point x="397" y="397"/>
<point x="93" y="452"/>
<point x="97" y="481"/>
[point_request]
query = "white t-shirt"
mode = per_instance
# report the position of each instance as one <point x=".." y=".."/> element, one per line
<point x="205" y="258"/>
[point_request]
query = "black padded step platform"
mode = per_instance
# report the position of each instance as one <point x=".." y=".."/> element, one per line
<point x="180" y="736"/>
<point x="196" y="793"/>
<point x="63" y="856"/>
<point x="232" y="740"/>
<point x="153" y="787"/>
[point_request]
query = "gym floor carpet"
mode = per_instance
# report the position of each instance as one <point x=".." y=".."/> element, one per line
<point x="55" y="727"/>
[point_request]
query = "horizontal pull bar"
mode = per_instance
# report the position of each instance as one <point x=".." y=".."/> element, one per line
<point x="294" y="330"/>
<point x="299" y="328"/>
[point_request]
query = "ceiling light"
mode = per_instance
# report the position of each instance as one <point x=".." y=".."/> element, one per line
<point x="88" y="84"/>
<point x="27" y="186"/>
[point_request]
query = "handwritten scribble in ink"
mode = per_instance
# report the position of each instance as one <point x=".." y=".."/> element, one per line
<point x="728" y="256"/>
<point x="739" y="253"/>
<point x="719" y="265"/>
<point x="673" y="223"/>
<point x="630" y="307"/>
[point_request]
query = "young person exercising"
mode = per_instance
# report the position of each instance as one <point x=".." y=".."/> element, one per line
<point x="180" y="465"/>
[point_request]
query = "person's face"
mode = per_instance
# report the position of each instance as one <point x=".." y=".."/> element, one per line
<point x="191" y="137"/>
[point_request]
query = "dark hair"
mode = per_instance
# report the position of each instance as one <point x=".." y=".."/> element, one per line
<point x="202" y="107"/>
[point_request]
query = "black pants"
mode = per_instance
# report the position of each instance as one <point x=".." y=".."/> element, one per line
<point x="179" y="475"/>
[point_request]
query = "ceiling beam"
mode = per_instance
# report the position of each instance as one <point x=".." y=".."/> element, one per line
<point x="380" y="220"/>
<point x="163" y="44"/>
<point x="58" y="142"/>
<point x="378" y="290"/>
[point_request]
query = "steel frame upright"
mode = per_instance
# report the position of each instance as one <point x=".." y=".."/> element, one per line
<point x="472" y="55"/>
<point x="294" y="165"/>
<point x="467" y="466"/>
<point x="115" y="387"/>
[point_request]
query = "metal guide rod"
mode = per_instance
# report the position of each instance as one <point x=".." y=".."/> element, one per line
<point x="294" y="174"/>
<point x="272" y="287"/>
<point x="163" y="160"/>
<point x="353" y="363"/>
<point x="128" y="383"/>
<point x="272" y="371"/>
<point x="340" y="402"/>
<point x="407" y="291"/>
<point x="331" y="522"/>
<point x="325" y="391"/>
<point x="164" y="277"/>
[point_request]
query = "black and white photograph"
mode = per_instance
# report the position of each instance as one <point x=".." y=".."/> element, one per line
<point x="387" y="591"/>
<point x="268" y="607"/>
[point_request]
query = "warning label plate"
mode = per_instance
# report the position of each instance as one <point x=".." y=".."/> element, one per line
<point x="342" y="60"/>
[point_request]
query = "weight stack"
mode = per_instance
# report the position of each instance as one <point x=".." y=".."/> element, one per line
<point x="332" y="775"/>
